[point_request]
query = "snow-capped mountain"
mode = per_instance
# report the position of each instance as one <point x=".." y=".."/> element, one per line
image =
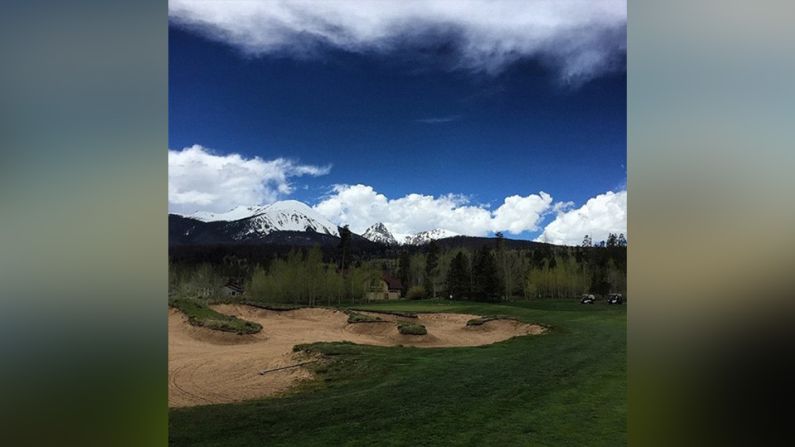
<point x="290" y="215"/>
<point x="423" y="237"/>
<point x="379" y="233"/>
<point x="254" y="222"/>
<point x="241" y="212"/>
<point x="262" y="223"/>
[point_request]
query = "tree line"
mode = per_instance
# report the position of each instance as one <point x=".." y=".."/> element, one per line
<point x="489" y="273"/>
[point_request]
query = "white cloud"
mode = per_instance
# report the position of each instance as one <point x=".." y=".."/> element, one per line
<point x="361" y="206"/>
<point x="199" y="180"/>
<point x="518" y="214"/>
<point x="578" y="38"/>
<point x="603" y="214"/>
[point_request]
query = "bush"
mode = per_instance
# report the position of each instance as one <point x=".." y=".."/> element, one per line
<point x="200" y="315"/>
<point x="412" y="329"/>
<point x="416" y="293"/>
<point x="355" y="317"/>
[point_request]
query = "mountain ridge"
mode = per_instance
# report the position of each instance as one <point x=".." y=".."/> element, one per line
<point x="256" y="222"/>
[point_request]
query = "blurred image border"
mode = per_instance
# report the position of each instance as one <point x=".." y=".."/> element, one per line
<point x="83" y="188"/>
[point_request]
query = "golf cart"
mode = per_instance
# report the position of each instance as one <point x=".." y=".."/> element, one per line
<point x="587" y="299"/>
<point x="615" y="298"/>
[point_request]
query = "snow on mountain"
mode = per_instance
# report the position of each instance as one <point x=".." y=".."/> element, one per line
<point x="241" y="212"/>
<point x="246" y="222"/>
<point x="253" y="222"/>
<point x="379" y="233"/>
<point x="290" y="215"/>
<point x="423" y="237"/>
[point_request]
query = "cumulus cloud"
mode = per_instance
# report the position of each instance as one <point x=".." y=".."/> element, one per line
<point x="578" y="38"/>
<point x="200" y="180"/>
<point x="601" y="215"/>
<point x="361" y="206"/>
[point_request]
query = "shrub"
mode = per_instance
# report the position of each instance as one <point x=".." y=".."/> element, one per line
<point x="416" y="293"/>
<point x="200" y="315"/>
<point x="412" y="329"/>
<point x="355" y="317"/>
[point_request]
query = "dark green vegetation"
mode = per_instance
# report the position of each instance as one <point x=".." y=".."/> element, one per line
<point x="356" y="317"/>
<point x="466" y="268"/>
<point x="416" y="293"/>
<point x="482" y="320"/>
<point x="565" y="388"/>
<point x="200" y="315"/>
<point x="411" y="329"/>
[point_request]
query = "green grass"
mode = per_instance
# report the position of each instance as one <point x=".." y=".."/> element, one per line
<point x="200" y="315"/>
<point x="411" y="329"/>
<point x="565" y="388"/>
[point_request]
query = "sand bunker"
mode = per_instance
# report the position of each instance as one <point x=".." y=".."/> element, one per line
<point x="210" y="367"/>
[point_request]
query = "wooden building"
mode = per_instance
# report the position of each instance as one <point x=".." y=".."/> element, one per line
<point x="385" y="288"/>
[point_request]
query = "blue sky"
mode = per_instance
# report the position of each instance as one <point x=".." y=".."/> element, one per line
<point x="403" y="121"/>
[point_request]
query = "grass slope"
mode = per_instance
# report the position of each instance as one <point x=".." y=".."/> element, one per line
<point x="200" y="315"/>
<point x="566" y="388"/>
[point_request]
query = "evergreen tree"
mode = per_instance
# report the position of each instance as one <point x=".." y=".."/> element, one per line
<point x="538" y="258"/>
<point x="599" y="284"/>
<point x="587" y="241"/>
<point x="344" y="246"/>
<point x="404" y="271"/>
<point x="458" y="277"/>
<point x="622" y="241"/>
<point x="431" y="268"/>
<point x="502" y="260"/>
<point x="485" y="276"/>
<point x="612" y="240"/>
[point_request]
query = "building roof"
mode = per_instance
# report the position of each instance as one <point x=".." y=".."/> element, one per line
<point x="234" y="285"/>
<point x="392" y="282"/>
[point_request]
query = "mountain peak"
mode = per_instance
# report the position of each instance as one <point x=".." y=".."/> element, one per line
<point x="291" y="215"/>
<point x="378" y="232"/>
<point x="423" y="237"/>
<point x="289" y="205"/>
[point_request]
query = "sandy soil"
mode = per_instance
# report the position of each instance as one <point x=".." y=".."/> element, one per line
<point x="210" y="367"/>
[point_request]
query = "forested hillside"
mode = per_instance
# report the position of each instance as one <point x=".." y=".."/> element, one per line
<point x="485" y="269"/>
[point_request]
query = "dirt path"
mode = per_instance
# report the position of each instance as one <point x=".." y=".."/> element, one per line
<point x="209" y="367"/>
